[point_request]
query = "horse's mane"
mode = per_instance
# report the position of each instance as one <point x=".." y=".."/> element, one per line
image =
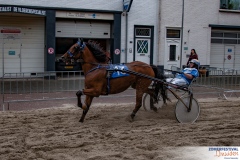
<point x="97" y="50"/>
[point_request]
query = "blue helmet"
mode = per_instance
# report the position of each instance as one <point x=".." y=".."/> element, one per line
<point x="195" y="61"/>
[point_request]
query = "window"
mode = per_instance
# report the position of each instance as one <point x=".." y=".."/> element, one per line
<point x="142" y="46"/>
<point x="173" y="33"/>
<point x="224" y="37"/>
<point x="143" y="32"/>
<point x="230" y="4"/>
<point x="172" y="54"/>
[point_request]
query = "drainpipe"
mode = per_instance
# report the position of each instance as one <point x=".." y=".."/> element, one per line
<point x="126" y="36"/>
<point x="182" y="34"/>
<point x="159" y="31"/>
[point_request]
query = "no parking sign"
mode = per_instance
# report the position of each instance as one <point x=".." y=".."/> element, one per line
<point x="117" y="51"/>
<point x="229" y="57"/>
<point x="50" y="50"/>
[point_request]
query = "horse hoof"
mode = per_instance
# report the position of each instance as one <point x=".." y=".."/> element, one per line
<point x="79" y="93"/>
<point x="81" y="120"/>
<point x="132" y="116"/>
<point x="129" y="118"/>
<point x="154" y="108"/>
<point x="80" y="105"/>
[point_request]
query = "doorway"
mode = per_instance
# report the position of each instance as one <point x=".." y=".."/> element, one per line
<point x="143" y="44"/>
<point x="142" y="50"/>
<point x="11" y="56"/>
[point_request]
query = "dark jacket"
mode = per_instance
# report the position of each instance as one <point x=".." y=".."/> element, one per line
<point x="194" y="56"/>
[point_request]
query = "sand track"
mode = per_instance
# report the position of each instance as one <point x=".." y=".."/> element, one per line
<point x="107" y="133"/>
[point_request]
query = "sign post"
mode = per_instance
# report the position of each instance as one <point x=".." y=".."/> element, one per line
<point x="126" y="8"/>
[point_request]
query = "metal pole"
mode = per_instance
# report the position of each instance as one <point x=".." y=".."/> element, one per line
<point x="126" y="38"/>
<point x="182" y="34"/>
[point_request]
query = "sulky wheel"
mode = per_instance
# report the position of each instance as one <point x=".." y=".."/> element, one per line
<point x="182" y="114"/>
<point x="148" y="102"/>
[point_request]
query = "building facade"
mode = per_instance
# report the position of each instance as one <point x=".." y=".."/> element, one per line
<point x="34" y="34"/>
<point x="213" y="31"/>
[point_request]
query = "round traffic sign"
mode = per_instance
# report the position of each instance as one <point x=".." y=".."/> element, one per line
<point x="50" y="50"/>
<point x="229" y="57"/>
<point x="117" y="51"/>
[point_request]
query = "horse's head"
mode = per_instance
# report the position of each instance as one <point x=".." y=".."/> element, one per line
<point x="74" y="51"/>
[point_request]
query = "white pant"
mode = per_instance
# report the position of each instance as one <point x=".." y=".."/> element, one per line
<point x="177" y="81"/>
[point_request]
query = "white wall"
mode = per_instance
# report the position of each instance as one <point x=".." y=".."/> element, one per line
<point x="142" y="12"/>
<point x="197" y="17"/>
<point x="79" y="4"/>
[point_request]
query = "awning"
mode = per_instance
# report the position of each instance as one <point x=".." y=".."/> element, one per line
<point x="217" y="26"/>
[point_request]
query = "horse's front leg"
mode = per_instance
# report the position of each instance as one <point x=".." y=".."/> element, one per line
<point x="79" y="94"/>
<point x="90" y="93"/>
<point x="139" y="95"/>
<point x="88" y="101"/>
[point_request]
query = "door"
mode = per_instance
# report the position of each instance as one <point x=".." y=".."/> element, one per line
<point x="11" y="56"/>
<point x="142" y="50"/>
<point x="172" y="56"/>
<point x="229" y="56"/>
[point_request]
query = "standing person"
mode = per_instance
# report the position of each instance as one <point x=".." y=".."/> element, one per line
<point x="193" y="55"/>
<point x="187" y="75"/>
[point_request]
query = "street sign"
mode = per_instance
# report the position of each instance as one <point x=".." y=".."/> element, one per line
<point x="50" y="50"/>
<point x="117" y="51"/>
<point x="127" y="5"/>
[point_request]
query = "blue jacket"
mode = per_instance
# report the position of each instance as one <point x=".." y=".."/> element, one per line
<point x="192" y="71"/>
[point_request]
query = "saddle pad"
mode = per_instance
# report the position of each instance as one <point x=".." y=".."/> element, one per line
<point x="118" y="74"/>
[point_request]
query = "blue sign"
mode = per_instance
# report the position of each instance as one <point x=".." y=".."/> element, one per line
<point x="118" y="74"/>
<point x="127" y="5"/>
<point x="12" y="53"/>
<point x="229" y="50"/>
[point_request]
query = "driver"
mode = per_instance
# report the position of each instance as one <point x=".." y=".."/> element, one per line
<point x="187" y="74"/>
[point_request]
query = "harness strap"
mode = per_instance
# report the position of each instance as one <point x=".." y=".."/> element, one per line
<point x="79" y="44"/>
<point x="93" y="69"/>
<point x="108" y="85"/>
<point x="108" y="75"/>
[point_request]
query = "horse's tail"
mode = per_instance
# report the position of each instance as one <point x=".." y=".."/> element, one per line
<point x="159" y="86"/>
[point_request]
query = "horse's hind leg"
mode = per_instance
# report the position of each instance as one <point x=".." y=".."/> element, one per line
<point x="139" y="95"/>
<point x="86" y="107"/>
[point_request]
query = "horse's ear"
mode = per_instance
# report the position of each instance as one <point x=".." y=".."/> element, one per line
<point x="79" y="40"/>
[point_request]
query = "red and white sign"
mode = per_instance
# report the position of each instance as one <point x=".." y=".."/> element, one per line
<point x="117" y="51"/>
<point x="10" y="30"/>
<point x="229" y="57"/>
<point x="50" y="50"/>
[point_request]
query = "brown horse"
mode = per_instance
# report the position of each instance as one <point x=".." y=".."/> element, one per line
<point x="69" y="57"/>
<point x="98" y="80"/>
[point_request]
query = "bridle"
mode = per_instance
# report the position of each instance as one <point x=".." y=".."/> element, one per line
<point x="80" y="46"/>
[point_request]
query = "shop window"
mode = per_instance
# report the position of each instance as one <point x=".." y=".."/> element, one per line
<point x="230" y="41"/>
<point x="225" y="37"/>
<point x="230" y="35"/>
<point x="217" y="34"/>
<point x="216" y="40"/>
